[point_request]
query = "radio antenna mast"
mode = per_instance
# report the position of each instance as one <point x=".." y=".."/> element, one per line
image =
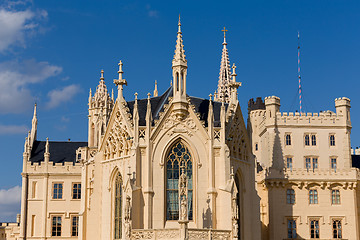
<point x="299" y="76"/>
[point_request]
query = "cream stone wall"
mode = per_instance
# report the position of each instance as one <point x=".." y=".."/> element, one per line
<point x="268" y="128"/>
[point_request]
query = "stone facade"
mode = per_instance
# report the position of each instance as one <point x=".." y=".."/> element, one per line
<point x="174" y="166"/>
<point x="306" y="180"/>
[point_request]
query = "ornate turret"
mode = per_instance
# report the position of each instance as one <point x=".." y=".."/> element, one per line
<point x="224" y="91"/>
<point x="179" y="67"/>
<point x="100" y="107"/>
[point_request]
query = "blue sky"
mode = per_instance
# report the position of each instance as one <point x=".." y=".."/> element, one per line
<point x="51" y="52"/>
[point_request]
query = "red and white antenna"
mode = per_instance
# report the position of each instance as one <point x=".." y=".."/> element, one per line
<point x="299" y="76"/>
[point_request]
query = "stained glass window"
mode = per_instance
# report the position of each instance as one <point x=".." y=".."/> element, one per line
<point x="118" y="206"/>
<point x="178" y="156"/>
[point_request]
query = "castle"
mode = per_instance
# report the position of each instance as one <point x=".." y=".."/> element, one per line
<point x="173" y="166"/>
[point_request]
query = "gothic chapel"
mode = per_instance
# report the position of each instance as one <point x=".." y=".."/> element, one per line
<point x="170" y="166"/>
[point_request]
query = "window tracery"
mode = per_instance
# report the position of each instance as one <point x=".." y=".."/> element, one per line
<point x="178" y="157"/>
<point x="118" y="207"/>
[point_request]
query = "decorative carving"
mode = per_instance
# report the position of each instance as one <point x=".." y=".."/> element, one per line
<point x="119" y="142"/>
<point x="183" y="194"/>
<point x="127" y="218"/>
<point x="142" y="234"/>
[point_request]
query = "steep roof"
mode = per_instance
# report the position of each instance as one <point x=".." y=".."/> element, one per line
<point x="157" y="106"/>
<point x="355" y="161"/>
<point x="60" y="152"/>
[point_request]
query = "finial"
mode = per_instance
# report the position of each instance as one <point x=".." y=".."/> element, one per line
<point x="35" y="110"/>
<point x="136" y="94"/>
<point x="210" y="96"/>
<point x="179" y="24"/>
<point x="47" y="145"/>
<point x="102" y="74"/>
<point x="148" y="96"/>
<point x="155" y="90"/>
<point x="233" y="67"/>
<point x="120" y="72"/>
<point x="112" y="94"/>
<point x="232" y="172"/>
<point x="224" y="30"/>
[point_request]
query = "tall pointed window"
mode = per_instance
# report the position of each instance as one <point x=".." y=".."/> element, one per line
<point x="118" y="206"/>
<point x="178" y="156"/>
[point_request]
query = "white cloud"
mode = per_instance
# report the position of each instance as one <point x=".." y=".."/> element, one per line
<point x="16" y="24"/>
<point x="10" y="203"/>
<point x="15" y="79"/>
<point x="59" y="96"/>
<point x="151" y="12"/>
<point x="13" y="129"/>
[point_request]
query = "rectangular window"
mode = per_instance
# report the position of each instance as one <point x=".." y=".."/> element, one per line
<point x="291" y="227"/>
<point x="333" y="163"/>
<point x="315" y="163"/>
<point x="57" y="190"/>
<point x="307" y="140"/>
<point x="290" y="196"/>
<point x="289" y="163"/>
<point x="314" y="229"/>
<point x="256" y="146"/>
<point x="75" y="226"/>
<point x="332" y="139"/>
<point x="288" y="139"/>
<point x="337" y="229"/>
<point x="313" y="196"/>
<point x="32" y="225"/>
<point x="313" y="140"/>
<point x="56" y="226"/>
<point x="308" y="163"/>
<point x="335" y="196"/>
<point x="76" y="194"/>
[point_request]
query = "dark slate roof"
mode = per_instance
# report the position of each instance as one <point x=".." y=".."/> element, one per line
<point x="60" y="152"/>
<point x="157" y="106"/>
<point x="256" y="105"/>
<point x="355" y="161"/>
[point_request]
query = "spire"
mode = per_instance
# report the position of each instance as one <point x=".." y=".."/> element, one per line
<point x="33" y="127"/>
<point x="120" y="82"/>
<point x="179" y="57"/>
<point x="101" y="93"/>
<point x="155" y="90"/>
<point x="225" y="73"/>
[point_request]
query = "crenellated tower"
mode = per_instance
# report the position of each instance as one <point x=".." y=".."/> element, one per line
<point x="100" y="107"/>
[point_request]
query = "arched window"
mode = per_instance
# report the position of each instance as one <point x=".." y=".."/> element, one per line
<point x="118" y="207"/>
<point x="178" y="156"/>
<point x="177" y="81"/>
<point x="238" y="202"/>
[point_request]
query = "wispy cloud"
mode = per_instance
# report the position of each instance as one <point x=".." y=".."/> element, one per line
<point x="13" y="129"/>
<point x="16" y="24"/>
<point x="59" y="96"/>
<point x="15" y="79"/>
<point x="151" y="12"/>
<point x="10" y="203"/>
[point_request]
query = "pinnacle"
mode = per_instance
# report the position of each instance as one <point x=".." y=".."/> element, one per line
<point x="179" y="56"/>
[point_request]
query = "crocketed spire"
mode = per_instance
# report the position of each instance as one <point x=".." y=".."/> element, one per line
<point x="179" y="57"/>
<point x="101" y="90"/>
<point x="223" y="91"/>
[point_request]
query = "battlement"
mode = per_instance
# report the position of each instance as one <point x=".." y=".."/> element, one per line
<point x="256" y="105"/>
<point x="271" y="112"/>
<point x="42" y="167"/>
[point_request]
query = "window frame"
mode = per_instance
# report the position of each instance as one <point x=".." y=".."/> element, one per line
<point x="117" y="203"/>
<point x="313" y="196"/>
<point x="332" y="142"/>
<point x="288" y="140"/>
<point x="338" y="236"/>
<point x="289" y="164"/>
<point x="307" y="139"/>
<point x="78" y="191"/>
<point x="333" y="163"/>
<point x="335" y="198"/>
<point x="191" y="212"/>
<point x="290" y="231"/>
<point x="53" y="191"/>
<point x="313" y="139"/>
<point x="56" y="227"/>
<point x="313" y="228"/>
<point x="76" y="226"/>
<point x="290" y="196"/>
<point x="311" y="162"/>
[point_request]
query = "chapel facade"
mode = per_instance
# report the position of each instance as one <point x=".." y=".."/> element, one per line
<point x="171" y="166"/>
